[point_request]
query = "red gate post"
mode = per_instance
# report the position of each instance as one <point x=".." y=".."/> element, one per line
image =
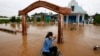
<point x="24" y="28"/>
<point x="60" y="28"/>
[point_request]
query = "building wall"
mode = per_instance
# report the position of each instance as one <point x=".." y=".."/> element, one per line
<point x="72" y="19"/>
<point x="77" y="18"/>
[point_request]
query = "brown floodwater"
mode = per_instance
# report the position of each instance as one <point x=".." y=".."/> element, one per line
<point x="78" y="40"/>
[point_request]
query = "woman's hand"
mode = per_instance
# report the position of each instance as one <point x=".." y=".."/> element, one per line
<point x="53" y="38"/>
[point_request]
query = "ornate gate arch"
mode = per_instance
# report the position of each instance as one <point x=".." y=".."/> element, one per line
<point x="61" y="10"/>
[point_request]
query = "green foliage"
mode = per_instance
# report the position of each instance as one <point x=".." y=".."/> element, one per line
<point x="97" y="19"/>
<point x="18" y="20"/>
<point x="13" y="19"/>
<point x="4" y="21"/>
<point x="38" y="20"/>
<point x="86" y="16"/>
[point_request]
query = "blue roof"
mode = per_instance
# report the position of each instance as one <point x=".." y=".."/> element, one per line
<point x="77" y="8"/>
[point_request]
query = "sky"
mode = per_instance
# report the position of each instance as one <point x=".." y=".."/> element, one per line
<point x="11" y="7"/>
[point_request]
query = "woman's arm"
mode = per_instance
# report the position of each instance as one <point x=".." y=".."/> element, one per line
<point x="53" y="38"/>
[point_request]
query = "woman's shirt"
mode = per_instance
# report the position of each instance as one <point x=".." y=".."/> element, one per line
<point x="47" y="44"/>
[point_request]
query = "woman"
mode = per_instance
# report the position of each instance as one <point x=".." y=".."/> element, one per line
<point x="48" y="49"/>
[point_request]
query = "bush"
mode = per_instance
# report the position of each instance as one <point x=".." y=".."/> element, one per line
<point x="18" y="20"/>
<point x="13" y="19"/>
<point x="97" y="19"/>
<point x="4" y="21"/>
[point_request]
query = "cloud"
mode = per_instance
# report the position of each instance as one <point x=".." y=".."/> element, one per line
<point x="11" y="7"/>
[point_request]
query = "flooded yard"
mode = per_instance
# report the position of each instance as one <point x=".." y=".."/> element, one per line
<point x="77" y="42"/>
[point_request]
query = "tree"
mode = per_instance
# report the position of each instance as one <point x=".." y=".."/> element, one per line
<point x="86" y="16"/>
<point x="4" y="21"/>
<point x="18" y="20"/>
<point x="96" y="19"/>
<point x="13" y="19"/>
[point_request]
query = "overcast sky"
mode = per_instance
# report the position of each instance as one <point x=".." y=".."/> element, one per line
<point x="11" y="7"/>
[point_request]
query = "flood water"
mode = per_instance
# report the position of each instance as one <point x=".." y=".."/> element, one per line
<point x="77" y="42"/>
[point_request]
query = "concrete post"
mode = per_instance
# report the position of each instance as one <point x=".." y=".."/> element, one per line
<point x="67" y="18"/>
<point x="83" y="19"/>
<point x="78" y="17"/>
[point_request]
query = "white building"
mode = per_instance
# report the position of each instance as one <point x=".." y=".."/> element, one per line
<point x="77" y="13"/>
<point x="90" y="19"/>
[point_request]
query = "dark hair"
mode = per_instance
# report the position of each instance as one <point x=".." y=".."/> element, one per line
<point x="49" y="34"/>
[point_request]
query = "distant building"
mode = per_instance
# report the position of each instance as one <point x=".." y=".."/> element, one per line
<point x="77" y="13"/>
<point x="90" y="19"/>
<point x="43" y="17"/>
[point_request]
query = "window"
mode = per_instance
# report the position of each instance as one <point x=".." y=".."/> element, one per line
<point x="72" y="7"/>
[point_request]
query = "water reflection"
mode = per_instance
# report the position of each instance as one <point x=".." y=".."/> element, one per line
<point x="42" y="24"/>
<point x="24" y="48"/>
<point x="13" y="25"/>
<point x="18" y="26"/>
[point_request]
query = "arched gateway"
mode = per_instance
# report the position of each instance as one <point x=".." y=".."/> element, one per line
<point x="61" y="10"/>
